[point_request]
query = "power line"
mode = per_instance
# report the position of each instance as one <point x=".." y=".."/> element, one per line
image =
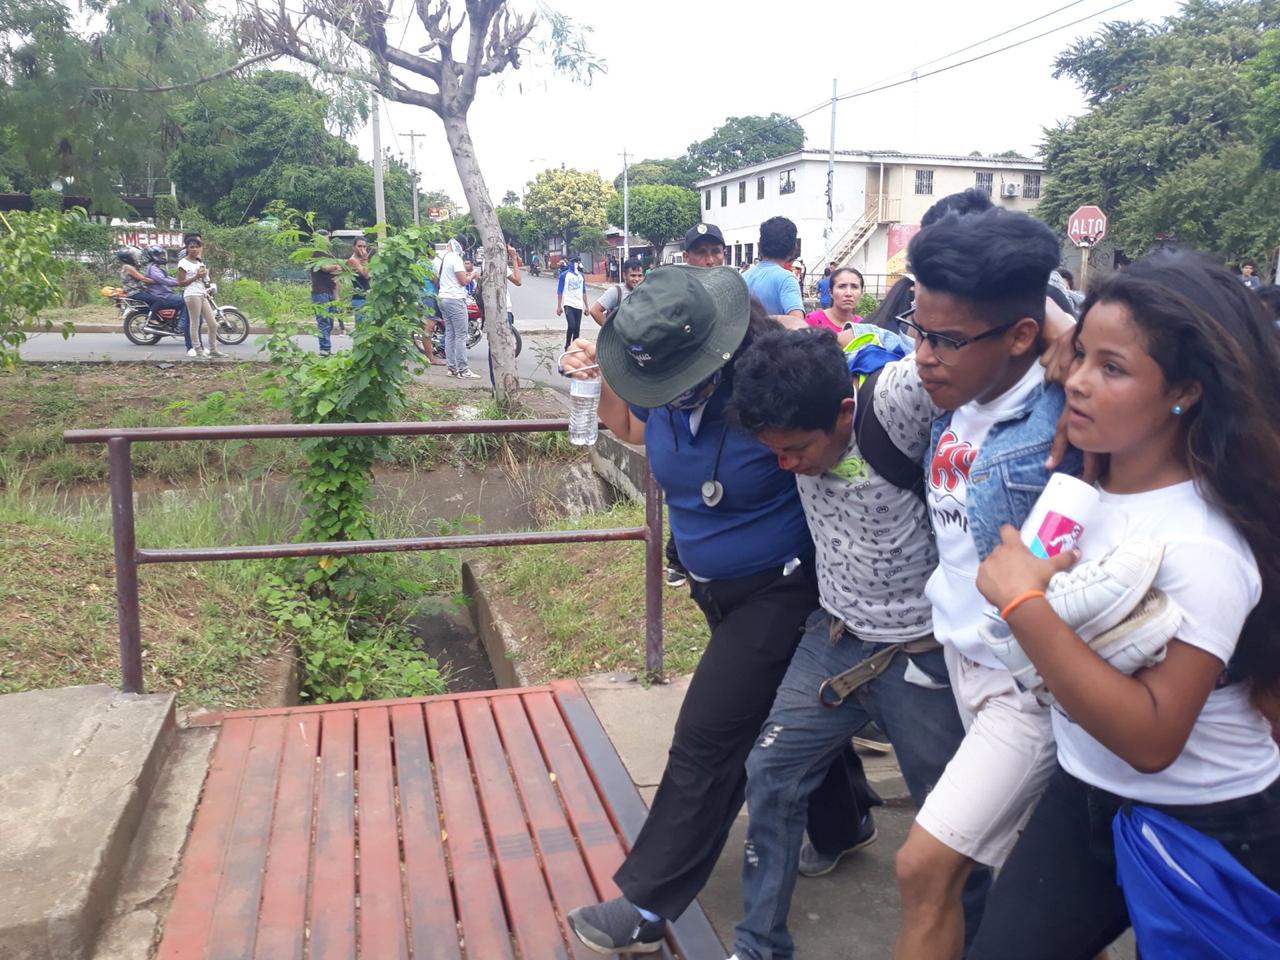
<point x="962" y="63"/>
<point x="879" y="85"/>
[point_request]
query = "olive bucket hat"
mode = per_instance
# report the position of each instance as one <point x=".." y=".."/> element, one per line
<point x="673" y="332"/>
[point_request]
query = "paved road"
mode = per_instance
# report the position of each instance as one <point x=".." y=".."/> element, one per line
<point x="533" y="304"/>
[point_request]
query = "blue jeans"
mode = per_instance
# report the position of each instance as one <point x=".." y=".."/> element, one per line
<point x="454" y="313"/>
<point x="357" y="309"/>
<point x="163" y="301"/>
<point x="799" y="741"/>
<point x="324" y="318"/>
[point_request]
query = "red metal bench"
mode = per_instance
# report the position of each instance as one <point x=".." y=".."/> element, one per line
<point x="462" y="826"/>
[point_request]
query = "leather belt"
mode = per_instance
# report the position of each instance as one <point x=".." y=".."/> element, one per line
<point x="834" y="690"/>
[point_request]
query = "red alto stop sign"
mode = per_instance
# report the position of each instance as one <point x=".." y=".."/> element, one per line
<point x="1087" y="225"/>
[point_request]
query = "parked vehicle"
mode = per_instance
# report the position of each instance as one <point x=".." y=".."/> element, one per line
<point x="146" y="326"/>
<point x="475" y="330"/>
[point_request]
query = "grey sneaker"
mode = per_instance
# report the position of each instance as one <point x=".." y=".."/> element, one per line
<point x="615" y="926"/>
<point x="676" y="577"/>
<point x="815" y="864"/>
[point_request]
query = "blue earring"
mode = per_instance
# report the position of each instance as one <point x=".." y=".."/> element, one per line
<point x="1177" y="409"/>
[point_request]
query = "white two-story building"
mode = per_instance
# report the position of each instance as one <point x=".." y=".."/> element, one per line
<point x="878" y="199"/>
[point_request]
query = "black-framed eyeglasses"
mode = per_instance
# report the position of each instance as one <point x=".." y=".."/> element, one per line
<point x="945" y="348"/>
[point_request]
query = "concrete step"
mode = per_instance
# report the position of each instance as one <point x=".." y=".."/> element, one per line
<point x="77" y="768"/>
<point x="131" y="928"/>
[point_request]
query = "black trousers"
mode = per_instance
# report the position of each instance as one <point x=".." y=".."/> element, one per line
<point x="756" y="623"/>
<point x="573" y="317"/>
<point x="1057" y="896"/>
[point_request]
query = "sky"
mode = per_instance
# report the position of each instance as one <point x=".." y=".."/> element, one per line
<point x="677" y="70"/>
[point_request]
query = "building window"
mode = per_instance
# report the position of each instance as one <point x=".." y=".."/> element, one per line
<point x="982" y="181"/>
<point x="724" y="195"/>
<point x="737" y="254"/>
<point x="1031" y="186"/>
<point x="924" y="183"/>
<point x="708" y="201"/>
<point x="759" y="188"/>
<point x="787" y="181"/>
<point x="742" y="191"/>
<point x="748" y="253"/>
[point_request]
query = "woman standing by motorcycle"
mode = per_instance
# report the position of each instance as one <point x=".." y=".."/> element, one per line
<point x="192" y="273"/>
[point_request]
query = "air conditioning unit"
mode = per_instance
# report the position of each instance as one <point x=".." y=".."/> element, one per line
<point x="1008" y="189"/>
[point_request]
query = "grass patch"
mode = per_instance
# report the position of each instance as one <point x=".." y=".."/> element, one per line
<point x="581" y="606"/>
<point x="202" y="634"/>
<point x="41" y="401"/>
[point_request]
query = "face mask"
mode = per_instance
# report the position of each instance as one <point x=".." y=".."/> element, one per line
<point x="698" y="394"/>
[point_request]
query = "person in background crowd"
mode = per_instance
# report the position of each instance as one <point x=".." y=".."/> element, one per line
<point x="1172" y="381"/>
<point x="611" y="299"/>
<point x="844" y="291"/>
<point x="704" y="245"/>
<point x="1248" y="275"/>
<point x="824" y="288"/>
<point x="571" y="300"/>
<point x="453" y="308"/>
<point x="358" y="262"/>
<point x="769" y="281"/>
<point x="193" y="276"/>
<point x="155" y="258"/>
<point x="324" y="291"/>
<point x="738" y="519"/>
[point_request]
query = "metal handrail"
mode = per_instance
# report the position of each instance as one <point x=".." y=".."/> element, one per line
<point x="128" y="555"/>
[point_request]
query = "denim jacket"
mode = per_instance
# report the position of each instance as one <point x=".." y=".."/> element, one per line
<point x="1008" y="474"/>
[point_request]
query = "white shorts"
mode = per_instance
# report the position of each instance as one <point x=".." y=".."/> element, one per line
<point x="988" y="790"/>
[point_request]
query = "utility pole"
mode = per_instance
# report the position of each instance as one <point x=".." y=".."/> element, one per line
<point x="379" y="197"/>
<point x="831" y="180"/>
<point x="413" y="173"/>
<point x="626" y="213"/>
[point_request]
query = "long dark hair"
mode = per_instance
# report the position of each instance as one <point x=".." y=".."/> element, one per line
<point x="1203" y="325"/>
<point x="896" y="302"/>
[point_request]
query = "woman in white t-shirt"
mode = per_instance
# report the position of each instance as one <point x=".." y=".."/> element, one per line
<point x="192" y="274"/>
<point x="1174" y="378"/>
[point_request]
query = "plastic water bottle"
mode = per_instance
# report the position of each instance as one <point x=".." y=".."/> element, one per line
<point x="584" y="401"/>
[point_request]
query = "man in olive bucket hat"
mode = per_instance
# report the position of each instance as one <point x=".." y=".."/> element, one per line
<point x="667" y="361"/>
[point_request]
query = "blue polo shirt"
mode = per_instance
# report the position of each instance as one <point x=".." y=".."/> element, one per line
<point x="758" y="524"/>
<point x="775" y="287"/>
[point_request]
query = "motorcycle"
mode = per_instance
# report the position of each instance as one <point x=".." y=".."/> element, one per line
<point x="146" y="325"/>
<point x="475" y="330"/>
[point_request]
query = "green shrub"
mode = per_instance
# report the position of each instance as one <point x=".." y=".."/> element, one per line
<point x="46" y="199"/>
<point x="80" y="285"/>
<point x="867" y="305"/>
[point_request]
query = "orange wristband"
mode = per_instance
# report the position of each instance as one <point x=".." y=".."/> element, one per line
<point x="1018" y="601"/>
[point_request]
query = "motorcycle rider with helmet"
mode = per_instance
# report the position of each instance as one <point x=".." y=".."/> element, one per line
<point x="154" y="257"/>
<point x="141" y="286"/>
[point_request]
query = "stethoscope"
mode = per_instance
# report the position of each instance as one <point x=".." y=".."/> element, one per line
<point x="713" y="489"/>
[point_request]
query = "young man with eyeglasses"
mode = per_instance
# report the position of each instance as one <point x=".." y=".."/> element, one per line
<point x="977" y="323"/>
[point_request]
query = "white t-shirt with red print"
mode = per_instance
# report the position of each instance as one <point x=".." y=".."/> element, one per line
<point x="958" y="607"/>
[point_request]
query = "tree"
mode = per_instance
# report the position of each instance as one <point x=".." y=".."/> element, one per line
<point x="1171" y="145"/>
<point x="438" y="200"/>
<point x="511" y="199"/>
<point x="564" y="201"/>
<point x="520" y="229"/>
<point x="676" y="172"/>
<point x="741" y="141"/>
<point x="464" y="45"/>
<point x="248" y="141"/>
<point x="1264" y="75"/>
<point x="69" y="90"/>
<point x="29" y="274"/>
<point x="591" y="242"/>
<point x="659" y="212"/>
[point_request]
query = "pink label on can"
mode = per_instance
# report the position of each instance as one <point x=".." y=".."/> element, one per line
<point x="1056" y="533"/>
